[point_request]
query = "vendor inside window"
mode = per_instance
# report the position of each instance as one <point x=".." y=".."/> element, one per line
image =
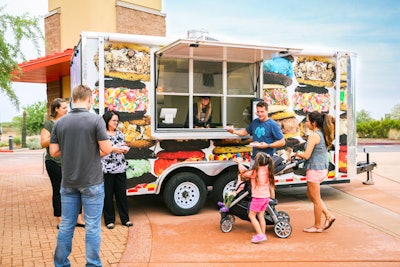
<point x="202" y="113"/>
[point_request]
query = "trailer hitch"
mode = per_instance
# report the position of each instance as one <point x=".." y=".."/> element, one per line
<point x="366" y="166"/>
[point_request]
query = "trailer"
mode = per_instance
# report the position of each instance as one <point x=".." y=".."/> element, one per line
<point x="153" y="82"/>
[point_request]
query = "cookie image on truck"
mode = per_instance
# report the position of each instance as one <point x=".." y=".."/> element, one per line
<point x="154" y="81"/>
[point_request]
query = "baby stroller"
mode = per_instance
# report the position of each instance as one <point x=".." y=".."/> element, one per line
<point x="239" y="206"/>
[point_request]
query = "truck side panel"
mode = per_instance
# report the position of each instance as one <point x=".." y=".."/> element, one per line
<point x="129" y="86"/>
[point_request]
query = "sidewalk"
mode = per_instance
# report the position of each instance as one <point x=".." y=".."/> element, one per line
<point x="366" y="232"/>
<point x="27" y="225"/>
<point x="374" y="141"/>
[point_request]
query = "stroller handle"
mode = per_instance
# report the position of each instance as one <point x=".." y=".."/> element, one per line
<point x="294" y="163"/>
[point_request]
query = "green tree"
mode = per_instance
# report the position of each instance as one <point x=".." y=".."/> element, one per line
<point x="20" y="28"/>
<point x="17" y="122"/>
<point x="395" y="113"/>
<point x="35" y="116"/>
<point x="363" y="116"/>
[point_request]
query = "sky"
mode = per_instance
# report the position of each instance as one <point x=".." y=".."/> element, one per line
<point x="369" y="28"/>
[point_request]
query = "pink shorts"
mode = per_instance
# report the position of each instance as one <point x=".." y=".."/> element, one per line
<point x="259" y="204"/>
<point x="316" y="176"/>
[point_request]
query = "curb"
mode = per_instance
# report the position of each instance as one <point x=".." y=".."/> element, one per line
<point x="378" y="144"/>
<point x="14" y="150"/>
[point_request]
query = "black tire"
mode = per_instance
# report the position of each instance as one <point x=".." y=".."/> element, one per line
<point x="223" y="184"/>
<point x="185" y="194"/>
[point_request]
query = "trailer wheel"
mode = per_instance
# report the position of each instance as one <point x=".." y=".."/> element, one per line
<point x="283" y="229"/>
<point x="185" y="194"/>
<point x="224" y="184"/>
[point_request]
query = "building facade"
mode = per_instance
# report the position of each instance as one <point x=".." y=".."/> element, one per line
<point x="67" y="19"/>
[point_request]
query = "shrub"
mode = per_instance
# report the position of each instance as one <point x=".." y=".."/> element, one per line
<point x="17" y="140"/>
<point x="376" y="128"/>
<point x="33" y="144"/>
<point x="3" y="143"/>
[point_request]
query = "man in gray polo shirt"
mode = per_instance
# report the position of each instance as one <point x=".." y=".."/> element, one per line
<point x="78" y="138"/>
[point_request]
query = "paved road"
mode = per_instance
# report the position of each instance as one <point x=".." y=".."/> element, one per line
<point x="378" y="148"/>
<point x="366" y="232"/>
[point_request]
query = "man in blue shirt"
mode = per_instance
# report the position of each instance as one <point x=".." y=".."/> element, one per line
<point x="266" y="133"/>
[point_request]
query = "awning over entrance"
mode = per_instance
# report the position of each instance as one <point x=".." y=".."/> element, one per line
<point x="44" y="69"/>
<point x="219" y="51"/>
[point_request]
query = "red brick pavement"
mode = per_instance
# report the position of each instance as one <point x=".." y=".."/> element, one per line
<point x="366" y="233"/>
<point x="27" y="226"/>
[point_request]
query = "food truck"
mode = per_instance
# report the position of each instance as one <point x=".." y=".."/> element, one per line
<point x="153" y="82"/>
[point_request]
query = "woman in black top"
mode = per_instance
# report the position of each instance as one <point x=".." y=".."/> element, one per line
<point x="202" y="113"/>
<point x="58" y="108"/>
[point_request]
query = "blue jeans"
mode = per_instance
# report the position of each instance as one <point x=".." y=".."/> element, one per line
<point x="92" y="199"/>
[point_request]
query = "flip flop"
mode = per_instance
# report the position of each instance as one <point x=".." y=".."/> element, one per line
<point x="329" y="222"/>
<point x="313" y="229"/>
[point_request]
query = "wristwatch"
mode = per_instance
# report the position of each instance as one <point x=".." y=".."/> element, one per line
<point x="268" y="146"/>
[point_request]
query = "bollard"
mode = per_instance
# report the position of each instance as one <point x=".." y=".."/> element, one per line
<point x="11" y="142"/>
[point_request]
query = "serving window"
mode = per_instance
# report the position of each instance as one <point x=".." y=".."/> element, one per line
<point x="182" y="83"/>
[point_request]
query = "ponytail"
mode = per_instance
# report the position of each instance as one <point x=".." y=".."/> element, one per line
<point x="326" y="123"/>
<point x="271" y="170"/>
<point x="329" y="129"/>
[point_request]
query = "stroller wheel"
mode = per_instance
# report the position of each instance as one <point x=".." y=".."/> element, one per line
<point x="226" y="225"/>
<point x="231" y="218"/>
<point x="283" y="229"/>
<point x="283" y="216"/>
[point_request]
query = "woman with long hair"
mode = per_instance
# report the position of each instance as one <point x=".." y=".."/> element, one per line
<point x="202" y="113"/>
<point x="58" y="108"/>
<point x="316" y="155"/>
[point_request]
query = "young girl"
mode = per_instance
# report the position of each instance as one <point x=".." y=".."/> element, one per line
<point x="262" y="180"/>
<point x="316" y="154"/>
